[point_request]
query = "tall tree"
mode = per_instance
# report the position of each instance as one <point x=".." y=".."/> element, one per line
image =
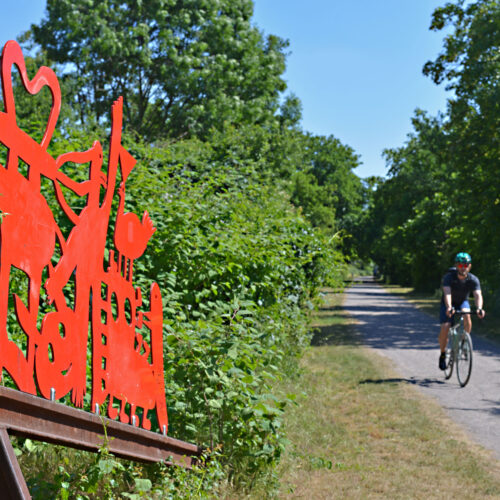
<point x="470" y="65"/>
<point x="410" y="212"/>
<point x="182" y="66"/>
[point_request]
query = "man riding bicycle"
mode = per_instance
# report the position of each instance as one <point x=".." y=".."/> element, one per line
<point x="458" y="283"/>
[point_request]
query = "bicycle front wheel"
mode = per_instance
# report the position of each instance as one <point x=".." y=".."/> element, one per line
<point x="464" y="359"/>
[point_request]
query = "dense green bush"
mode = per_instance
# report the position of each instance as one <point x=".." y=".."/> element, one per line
<point x="239" y="268"/>
<point x="249" y="212"/>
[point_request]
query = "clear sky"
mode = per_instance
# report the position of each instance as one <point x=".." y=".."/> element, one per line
<point x="356" y="65"/>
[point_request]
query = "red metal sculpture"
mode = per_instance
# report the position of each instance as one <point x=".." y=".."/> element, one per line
<point x="127" y="343"/>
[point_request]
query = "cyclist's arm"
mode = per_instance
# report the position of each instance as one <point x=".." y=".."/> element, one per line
<point x="447" y="300"/>
<point x="478" y="300"/>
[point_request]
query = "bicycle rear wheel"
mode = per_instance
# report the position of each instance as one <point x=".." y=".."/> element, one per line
<point x="464" y="359"/>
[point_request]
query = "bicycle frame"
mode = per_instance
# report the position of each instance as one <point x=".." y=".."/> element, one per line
<point x="456" y="332"/>
<point x="459" y="351"/>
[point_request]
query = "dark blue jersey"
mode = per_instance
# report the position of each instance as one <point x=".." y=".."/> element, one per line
<point x="460" y="289"/>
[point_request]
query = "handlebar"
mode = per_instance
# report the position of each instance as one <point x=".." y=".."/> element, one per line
<point x="462" y="313"/>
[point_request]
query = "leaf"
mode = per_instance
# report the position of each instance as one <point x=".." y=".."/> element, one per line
<point x="29" y="445"/>
<point x="143" y="485"/>
<point x="108" y="465"/>
<point x="214" y="403"/>
<point x="233" y="351"/>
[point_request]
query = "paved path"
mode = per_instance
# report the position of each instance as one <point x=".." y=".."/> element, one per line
<point x="396" y="329"/>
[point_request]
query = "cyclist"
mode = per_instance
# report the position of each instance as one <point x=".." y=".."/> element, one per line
<point x="458" y="283"/>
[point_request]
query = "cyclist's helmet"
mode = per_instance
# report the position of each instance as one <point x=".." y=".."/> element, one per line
<point x="463" y="258"/>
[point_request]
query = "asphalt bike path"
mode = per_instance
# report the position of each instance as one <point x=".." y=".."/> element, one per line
<point x="396" y="329"/>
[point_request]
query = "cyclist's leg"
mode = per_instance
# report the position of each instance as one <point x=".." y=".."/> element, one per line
<point x="445" y="327"/>
<point x="443" y="335"/>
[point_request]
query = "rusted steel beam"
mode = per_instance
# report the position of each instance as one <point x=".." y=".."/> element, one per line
<point x="12" y="483"/>
<point x="43" y="420"/>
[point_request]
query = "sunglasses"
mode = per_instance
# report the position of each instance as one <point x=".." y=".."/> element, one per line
<point x="462" y="266"/>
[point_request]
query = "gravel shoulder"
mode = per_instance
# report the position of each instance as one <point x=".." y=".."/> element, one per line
<point x="396" y="329"/>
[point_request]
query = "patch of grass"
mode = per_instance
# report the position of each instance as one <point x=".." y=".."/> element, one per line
<point x="358" y="431"/>
<point x="332" y="326"/>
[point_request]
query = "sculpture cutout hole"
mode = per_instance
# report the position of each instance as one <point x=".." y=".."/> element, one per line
<point x="23" y="168"/>
<point x="114" y="306"/>
<point x="50" y="349"/>
<point x="104" y="292"/>
<point x="102" y="194"/>
<point x="18" y="285"/>
<point x="41" y="101"/>
<point x="128" y="311"/>
<point x="45" y="305"/>
<point x="69" y="290"/>
<point x="3" y="155"/>
<point x="104" y="317"/>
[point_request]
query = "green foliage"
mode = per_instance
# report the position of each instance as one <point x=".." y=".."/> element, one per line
<point x="469" y="63"/>
<point x="408" y="219"/>
<point x="252" y="217"/>
<point x="325" y="185"/>
<point x="63" y="473"/>
<point x="238" y="269"/>
<point x="315" y="201"/>
<point x="442" y="193"/>
<point x="182" y="67"/>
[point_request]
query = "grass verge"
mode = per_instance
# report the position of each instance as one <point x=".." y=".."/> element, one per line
<point x="358" y="431"/>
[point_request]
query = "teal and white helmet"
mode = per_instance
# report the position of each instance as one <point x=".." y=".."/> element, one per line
<point x="463" y="258"/>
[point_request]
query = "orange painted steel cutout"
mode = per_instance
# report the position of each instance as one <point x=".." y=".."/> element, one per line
<point x="126" y="335"/>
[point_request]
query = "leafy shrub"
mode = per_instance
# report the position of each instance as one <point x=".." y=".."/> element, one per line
<point x="239" y="269"/>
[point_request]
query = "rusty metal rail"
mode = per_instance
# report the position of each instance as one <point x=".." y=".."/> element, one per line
<point x="30" y="416"/>
<point x="11" y="477"/>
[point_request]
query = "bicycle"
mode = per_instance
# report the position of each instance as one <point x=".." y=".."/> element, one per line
<point x="459" y="351"/>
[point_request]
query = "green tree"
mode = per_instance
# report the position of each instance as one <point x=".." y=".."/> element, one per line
<point x="182" y="66"/>
<point x="470" y="66"/>
<point x="324" y="185"/>
<point x="410" y="215"/>
<point x="442" y="192"/>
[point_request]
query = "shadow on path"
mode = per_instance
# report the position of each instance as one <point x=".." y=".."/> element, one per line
<point x="390" y="322"/>
<point x="426" y="382"/>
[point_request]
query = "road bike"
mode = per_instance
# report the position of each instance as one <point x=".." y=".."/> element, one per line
<point x="459" y="351"/>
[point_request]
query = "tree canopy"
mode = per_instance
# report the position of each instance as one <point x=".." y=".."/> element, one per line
<point x="182" y="66"/>
<point x="441" y="196"/>
<point x="252" y="216"/>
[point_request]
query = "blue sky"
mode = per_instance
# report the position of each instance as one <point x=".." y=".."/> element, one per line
<point x="356" y="65"/>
